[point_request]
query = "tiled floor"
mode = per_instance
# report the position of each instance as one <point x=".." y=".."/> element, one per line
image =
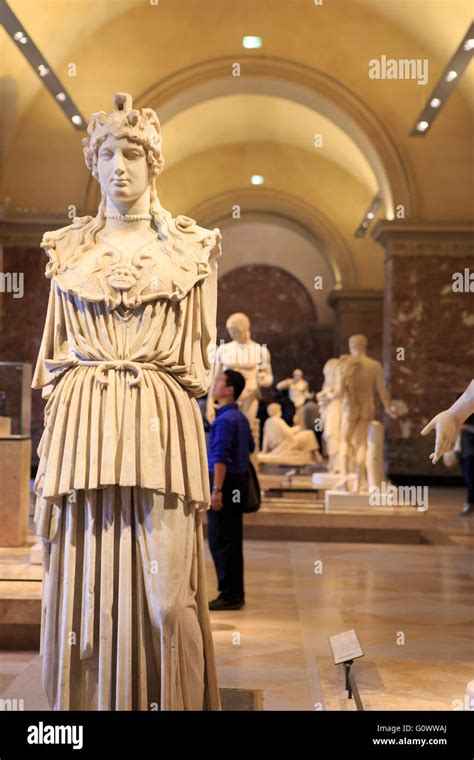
<point x="412" y="608"/>
<point x="424" y="593"/>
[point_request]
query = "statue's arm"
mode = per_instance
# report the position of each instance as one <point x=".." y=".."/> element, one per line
<point x="265" y="374"/>
<point x="448" y="423"/>
<point x="53" y="356"/>
<point x="383" y="392"/>
<point x="217" y="369"/>
<point x="464" y="406"/>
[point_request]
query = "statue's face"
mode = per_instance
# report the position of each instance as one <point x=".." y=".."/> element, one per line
<point x="297" y="374"/>
<point x="236" y="329"/>
<point x="123" y="169"/>
<point x="121" y="277"/>
<point x="357" y="345"/>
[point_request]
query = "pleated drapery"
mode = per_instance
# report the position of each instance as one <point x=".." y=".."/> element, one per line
<point x="125" y="619"/>
<point x="121" y="484"/>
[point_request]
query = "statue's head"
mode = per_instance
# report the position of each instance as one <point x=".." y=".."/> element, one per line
<point x="238" y="327"/>
<point x="274" y="410"/>
<point x="124" y="150"/>
<point x="357" y="344"/>
<point x="298" y="374"/>
<point x="329" y="370"/>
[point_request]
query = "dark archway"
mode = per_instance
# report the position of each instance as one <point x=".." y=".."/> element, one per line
<point x="282" y="314"/>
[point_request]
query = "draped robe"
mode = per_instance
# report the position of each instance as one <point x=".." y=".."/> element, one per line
<point x="122" y="479"/>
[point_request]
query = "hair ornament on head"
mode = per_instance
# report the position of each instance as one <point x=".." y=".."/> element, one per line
<point x="142" y="126"/>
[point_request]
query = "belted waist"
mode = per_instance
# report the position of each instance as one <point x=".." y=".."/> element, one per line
<point x="121" y="365"/>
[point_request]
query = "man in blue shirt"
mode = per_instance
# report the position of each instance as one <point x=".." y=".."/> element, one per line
<point x="229" y="447"/>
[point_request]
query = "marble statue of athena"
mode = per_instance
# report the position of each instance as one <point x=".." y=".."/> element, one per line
<point x="123" y="478"/>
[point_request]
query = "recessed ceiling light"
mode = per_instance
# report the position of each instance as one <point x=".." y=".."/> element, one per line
<point x="257" y="179"/>
<point x="251" y="42"/>
<point x="446" y="84"/>
<point x="20" y="37"/>
<point x="39" y="64"/>
<point x="369" y="216"/>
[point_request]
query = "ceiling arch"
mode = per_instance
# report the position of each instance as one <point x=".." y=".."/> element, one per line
<point x="246" y="118"/>
<point x="285" y="207"/>
<point x="268" y="240"/>
<point x="267" y="75"/>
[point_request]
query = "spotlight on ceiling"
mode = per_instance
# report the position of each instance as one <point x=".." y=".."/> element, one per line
<point x="14" y="28"/>
<point x="20" y="37"/>
<point x="257" y="179"/>
<point x="369" y="216"/>
<point x="251" y="42"/>
<point x="422" y="126"/>
<point x="445" y="85"/>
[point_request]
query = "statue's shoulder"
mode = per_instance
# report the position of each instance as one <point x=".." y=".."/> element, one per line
<point x="370" y="364"/>
<point x="60" y="244"/>
<point x="202" y="242"/>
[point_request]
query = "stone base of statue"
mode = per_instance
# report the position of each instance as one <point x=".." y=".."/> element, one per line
<point x="374" y="459"/>
<point x="36" y="554"/>
<point x="5" y="426"/>
<point x="346" y="500"/>
<point x="15" y="457"/>
<point x="289" y="459"/>
<point x="331" y="481"/>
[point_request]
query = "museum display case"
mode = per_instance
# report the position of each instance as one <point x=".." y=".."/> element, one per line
<point x="15" y="451"/>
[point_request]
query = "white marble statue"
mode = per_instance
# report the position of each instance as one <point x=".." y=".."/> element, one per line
<point x="248" y="357"/>
<point x="447" y="424"/>
<point x="359" y="379"/>
<point x="122" y="480"/>
<point x="329" y="404"/>
<point x="298" y="390"/>
<point x="287" y="445"/>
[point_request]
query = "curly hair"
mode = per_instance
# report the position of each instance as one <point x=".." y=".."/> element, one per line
<point x="141" y="127"/>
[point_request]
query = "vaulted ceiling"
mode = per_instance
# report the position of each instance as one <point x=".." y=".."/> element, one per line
<point x="310" y="77"/>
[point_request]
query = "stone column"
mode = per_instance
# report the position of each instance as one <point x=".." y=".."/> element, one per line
<point x="428" y="346"/>
<point x="358" y="311"/>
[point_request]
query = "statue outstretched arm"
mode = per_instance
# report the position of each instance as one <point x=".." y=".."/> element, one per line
<point x="448" y="423"/>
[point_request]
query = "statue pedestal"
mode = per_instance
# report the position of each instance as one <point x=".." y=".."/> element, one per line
<point x="15" y="458"/>
<point x="346" y="500"/>
<point x="327" y="481"/>
<point x="374" y="461"/>
<point x="5" y="426"/>
<point x="36" y="554"/>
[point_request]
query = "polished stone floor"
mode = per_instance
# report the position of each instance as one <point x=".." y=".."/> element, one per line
<point x="411" y="606"/>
